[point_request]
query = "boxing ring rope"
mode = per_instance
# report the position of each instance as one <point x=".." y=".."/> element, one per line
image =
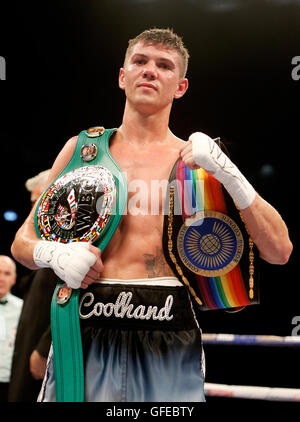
<point x="251" y="340"/>
<point x="247" y="391"/>
<point x="252" y="392"/>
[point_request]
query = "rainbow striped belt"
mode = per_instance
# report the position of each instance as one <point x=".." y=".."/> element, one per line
<point x="212" y="254"/>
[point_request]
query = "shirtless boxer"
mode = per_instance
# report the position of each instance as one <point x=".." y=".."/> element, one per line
<point x="144" y="147"/>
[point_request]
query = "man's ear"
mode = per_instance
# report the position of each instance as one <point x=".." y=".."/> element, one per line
<point x="122" y="78"/>
<point x="182" y="88"/>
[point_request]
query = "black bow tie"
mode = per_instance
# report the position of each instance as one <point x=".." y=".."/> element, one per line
<point x="3" y="301"/>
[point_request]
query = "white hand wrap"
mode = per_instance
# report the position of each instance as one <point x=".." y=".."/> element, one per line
<point x="209" y="156"/>
<point x="70" y="261"/>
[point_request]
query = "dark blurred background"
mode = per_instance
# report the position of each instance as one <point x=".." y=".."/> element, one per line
<point x="62" y="64"/>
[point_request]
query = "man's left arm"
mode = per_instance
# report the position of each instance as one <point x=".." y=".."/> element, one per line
<point x="268" y="231"/>
<point x="263" y="222"/>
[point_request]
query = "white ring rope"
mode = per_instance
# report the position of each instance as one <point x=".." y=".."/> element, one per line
<point x="251" y="340"/>
<point x="247" y="391"/>
<point x="252" y="392"/>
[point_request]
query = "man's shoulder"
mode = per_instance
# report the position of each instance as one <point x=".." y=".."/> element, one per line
<point x="178" y="142"/>
<point x="72" y="141"/>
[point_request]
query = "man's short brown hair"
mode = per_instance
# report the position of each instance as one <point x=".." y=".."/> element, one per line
<point x="166" y="37"/>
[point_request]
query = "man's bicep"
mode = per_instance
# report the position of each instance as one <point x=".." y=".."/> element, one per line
<point x="25" y="241"/>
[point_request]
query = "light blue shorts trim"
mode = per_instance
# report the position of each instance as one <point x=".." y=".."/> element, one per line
<point x="139" y="366"/>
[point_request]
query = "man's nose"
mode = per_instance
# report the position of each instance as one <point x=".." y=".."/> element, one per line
<point x="149" y="71"/>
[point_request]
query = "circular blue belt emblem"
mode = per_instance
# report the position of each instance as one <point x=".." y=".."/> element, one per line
<point x="210" y="243"/>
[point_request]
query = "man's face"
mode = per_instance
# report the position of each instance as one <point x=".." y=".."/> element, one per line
<point x="7" y="276"/>
<point x="151" y="77"/>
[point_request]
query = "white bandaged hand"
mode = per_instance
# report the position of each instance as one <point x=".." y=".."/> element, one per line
<point x="70" y="262"/>
<point x="208" y="155"/>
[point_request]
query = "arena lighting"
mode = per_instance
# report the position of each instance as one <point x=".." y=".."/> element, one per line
<point x="267" y="170"/>
<point x="10" y="215"/>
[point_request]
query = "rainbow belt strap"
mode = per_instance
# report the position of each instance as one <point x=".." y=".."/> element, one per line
<point x="217" y="292"/>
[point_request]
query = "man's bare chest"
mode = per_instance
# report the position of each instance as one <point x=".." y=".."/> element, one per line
<point x="147" y="176"/>
<point x="146" y="164"/>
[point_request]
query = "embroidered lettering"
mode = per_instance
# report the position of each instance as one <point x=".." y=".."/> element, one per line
<point x="122" y="308"/>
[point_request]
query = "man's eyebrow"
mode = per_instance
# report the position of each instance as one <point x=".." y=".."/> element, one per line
<point x="139" y="55"/>
<point x="144" y="56"/>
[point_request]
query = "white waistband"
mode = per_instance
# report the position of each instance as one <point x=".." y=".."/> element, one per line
<point x="157" y="281"/>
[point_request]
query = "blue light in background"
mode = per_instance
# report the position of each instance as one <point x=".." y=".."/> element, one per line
<point x="10" y="215"/>
<point x="267" y="170"/>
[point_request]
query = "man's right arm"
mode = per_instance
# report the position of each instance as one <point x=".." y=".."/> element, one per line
<point x="26" y="239"/>
<point x="78" y="264"/>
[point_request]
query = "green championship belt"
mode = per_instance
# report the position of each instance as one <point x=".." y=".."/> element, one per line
<point x="85" y="203"/>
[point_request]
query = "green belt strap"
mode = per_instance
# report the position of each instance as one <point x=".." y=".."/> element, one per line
<point x="65" y="324"/>
<point x="67" y="349"/>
